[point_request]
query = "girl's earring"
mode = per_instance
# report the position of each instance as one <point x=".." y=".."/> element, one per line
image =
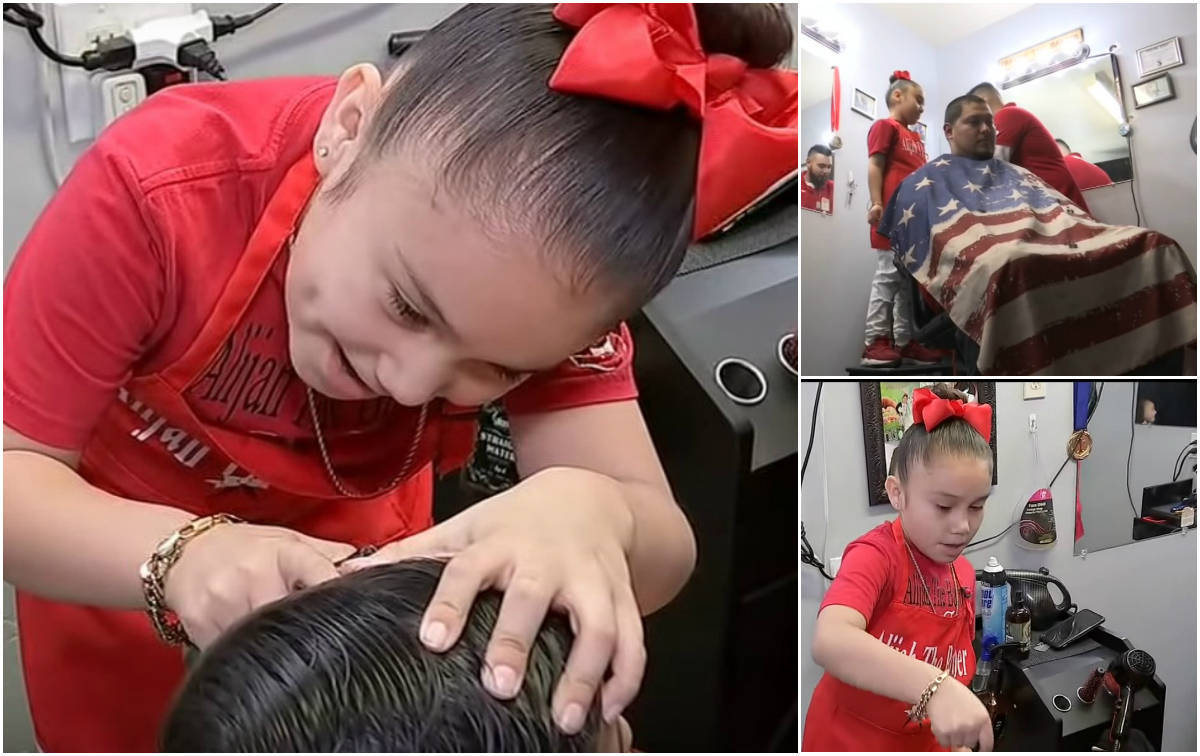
<point x="322" y="152"/>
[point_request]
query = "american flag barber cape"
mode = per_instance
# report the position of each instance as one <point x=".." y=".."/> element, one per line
<point x="1038" y="284"/>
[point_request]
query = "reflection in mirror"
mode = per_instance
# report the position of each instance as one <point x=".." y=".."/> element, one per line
<point x="1083" y="108"/>
<point x="1138" y="481"/>
<point x="1166" y="403"/>
<point x="816" y="98"/>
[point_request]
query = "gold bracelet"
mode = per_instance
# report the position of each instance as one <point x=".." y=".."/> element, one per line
<point x="154" y="574"/>
<point x="917" y="712"/>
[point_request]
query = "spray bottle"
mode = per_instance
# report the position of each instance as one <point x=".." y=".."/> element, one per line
<point x="993" y="602"/>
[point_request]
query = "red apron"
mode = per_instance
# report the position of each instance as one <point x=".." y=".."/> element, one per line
<point x="842" y="717"/>
<point x="100" y="679"/>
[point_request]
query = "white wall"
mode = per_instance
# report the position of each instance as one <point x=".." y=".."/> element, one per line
<point x="837" y="261"/>
<point x="836" y="264"/>
<point x="294" y="40"/>
<point x="1146" y="590"/>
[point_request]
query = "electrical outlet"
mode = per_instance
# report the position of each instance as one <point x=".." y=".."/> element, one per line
<point x="121" y="93"/>
<point x="75" y="27"/>
<point x="834" y="563"/>
<point x="1032" y="422"/>
<point x="1035" y="390"/>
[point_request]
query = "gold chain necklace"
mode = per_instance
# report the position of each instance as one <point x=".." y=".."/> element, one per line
<point x="341" y="487"/>
<point x="928" y="598"/>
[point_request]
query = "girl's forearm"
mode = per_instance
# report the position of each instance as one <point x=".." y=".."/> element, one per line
<point x="663" y="552"/>
<point x="859" y="659"/>
<point x="67" y="540"/>
<point x="875" y="182"/>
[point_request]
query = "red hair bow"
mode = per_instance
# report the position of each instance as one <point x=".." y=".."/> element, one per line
<point x="901" y="75"/>
<point x="932" y="410"/>
<point x="649" y="54"/>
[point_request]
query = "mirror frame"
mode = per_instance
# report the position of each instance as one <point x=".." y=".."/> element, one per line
<point x="1116" y="71"/>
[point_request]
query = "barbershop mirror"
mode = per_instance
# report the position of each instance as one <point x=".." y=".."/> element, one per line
<point x="1083" y="106"/>
<point x="1122" y="484"/>
<point x="1165" y="403"/>
<point x="816" y="98"/>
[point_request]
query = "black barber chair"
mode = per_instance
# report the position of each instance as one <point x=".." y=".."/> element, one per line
<point x="936" y="330"/>
<point x="722" y="656"/>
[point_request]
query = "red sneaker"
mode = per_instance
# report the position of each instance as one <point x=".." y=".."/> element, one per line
<point x="921" y="354"/>
<point x="880" y="352"/>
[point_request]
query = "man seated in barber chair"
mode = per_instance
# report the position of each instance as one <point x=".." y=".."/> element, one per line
<point x="339" y="667"/>
<point x="1021" y="281"/>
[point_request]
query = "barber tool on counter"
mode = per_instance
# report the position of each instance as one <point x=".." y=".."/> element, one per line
<point x="1052" y="677"/>
<point x="1132" y="671"/>
<point x="1035" y="587"/>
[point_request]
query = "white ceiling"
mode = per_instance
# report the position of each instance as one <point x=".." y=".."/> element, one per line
<point x="940" y="24"/>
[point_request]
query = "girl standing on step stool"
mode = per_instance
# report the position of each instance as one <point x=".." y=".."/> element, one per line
<point x="895" y="152"/>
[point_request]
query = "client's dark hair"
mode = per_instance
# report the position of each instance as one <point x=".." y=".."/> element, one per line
<point x="820" y="149"/>
<point x="985" y="89"/>
<point x="955" y="108"/>
<point x="340" y="668"/>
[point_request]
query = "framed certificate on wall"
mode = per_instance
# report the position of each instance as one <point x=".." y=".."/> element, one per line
<point x="1159" y="57"/>
<point x="1153" y="91"/>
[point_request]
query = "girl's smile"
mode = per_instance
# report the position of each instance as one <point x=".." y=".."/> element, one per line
<point x="399" y="290"/>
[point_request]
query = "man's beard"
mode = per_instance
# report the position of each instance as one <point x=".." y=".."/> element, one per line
<point x="975" y="153"/>
<point x="817" y="183"/>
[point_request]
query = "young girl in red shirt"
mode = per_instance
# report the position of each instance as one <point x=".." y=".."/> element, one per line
<point x="258" y="315"/>
<point x="895" y="152"/>
<point x="895" y="628"/>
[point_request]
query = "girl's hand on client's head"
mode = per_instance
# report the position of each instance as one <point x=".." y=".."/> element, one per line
<point x="558" y="539"/>
<point x="232" y="570"/>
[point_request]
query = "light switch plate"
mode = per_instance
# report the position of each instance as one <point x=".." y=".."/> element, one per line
<point x="1035" y="390"/>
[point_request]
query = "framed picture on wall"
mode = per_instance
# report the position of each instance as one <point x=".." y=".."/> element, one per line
<point x="921" y="129"/>
<point x="887" y="413"/>
<point x="1159" y="57"/>
<point x="1152" y="91"/>
<point x="863" y="104"/>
